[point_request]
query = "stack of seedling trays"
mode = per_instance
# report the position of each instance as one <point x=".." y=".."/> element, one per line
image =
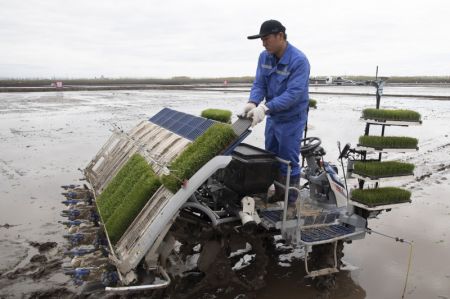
<point x="158" y="158"/>
<point x="375" y="171"/>
<point x="136" y="182"/>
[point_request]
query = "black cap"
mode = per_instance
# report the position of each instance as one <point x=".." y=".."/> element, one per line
<point x="268" y="27"/>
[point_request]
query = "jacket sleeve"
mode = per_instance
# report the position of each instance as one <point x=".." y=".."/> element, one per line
<point x="258" y="91"/>
<point x="297" y="83"/>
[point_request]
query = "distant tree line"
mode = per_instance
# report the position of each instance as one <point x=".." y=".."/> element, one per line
<point x="182" y="80"/>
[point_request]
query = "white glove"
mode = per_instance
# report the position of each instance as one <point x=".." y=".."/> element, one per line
<point x="249" y="106"/>
<point x="258" y="114"/>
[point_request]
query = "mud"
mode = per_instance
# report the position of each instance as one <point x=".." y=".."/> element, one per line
<point x="42" y="247"/>
<point x="46" y="137"/>
<point x="52" y="293"/>
<point x="38" y="258"/>
<point x="6" y="225"/>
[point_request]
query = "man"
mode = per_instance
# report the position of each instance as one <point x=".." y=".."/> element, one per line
<point x="282" y="78"/>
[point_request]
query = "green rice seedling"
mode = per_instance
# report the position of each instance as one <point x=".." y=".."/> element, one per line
<point x="120" y="185"/>
<point x="223" y="116"/>
<point x="395" y="115"/>
<point x="132" y="204"/>
<point x="381" y="196"/>
<point x="376" y="169"/>
<point x="114" y="184"/>
<point x="113" y="201"/>
<point x="312" y="103"/>
<point x="203" y="149"/>
<point x="385" y="142"/>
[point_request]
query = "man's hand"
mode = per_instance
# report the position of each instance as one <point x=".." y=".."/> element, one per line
<point x="257" y="114"/>
<point x="249" y="106"/>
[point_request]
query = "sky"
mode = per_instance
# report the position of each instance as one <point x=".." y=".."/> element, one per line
<point x="163" y="39"/>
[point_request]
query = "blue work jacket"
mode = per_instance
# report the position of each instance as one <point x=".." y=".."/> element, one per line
<point x="284" y="85"/>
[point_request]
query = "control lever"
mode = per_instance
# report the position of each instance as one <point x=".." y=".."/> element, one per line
<point x="344" y="151"/>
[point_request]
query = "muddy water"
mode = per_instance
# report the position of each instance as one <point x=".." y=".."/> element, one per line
<point x="46" y="137"/>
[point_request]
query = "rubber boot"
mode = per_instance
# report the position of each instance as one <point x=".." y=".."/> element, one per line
<point x="291" y="211"/>
<point x="279" y="191"/>
<point x="277" y="196"/>
<point x="292" y="197"/>
<point x="293" y="194"/>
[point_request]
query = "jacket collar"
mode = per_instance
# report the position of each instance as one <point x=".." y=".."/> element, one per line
<point x="286" y="55"/>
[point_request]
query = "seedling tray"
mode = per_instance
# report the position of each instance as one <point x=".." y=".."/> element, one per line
<point x="203" y="149"/>
<point x="379" y="197"/>
<point x="387" y="143"/>
<point x="382" y="171"/>
<point x="125" y="196"/>
<point x="220" y="115"/>
<point x="391" y="115"/>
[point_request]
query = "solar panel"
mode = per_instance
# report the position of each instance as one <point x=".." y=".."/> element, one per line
<point x="183" y="124"/>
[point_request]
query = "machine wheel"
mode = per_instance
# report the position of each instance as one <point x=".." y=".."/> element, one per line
<point x="214" y="268"/>
<point x="322" y="256"/>
<point x="253" y="275"/>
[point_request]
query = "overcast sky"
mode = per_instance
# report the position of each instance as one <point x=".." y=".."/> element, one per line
<point x="168" y="38"/>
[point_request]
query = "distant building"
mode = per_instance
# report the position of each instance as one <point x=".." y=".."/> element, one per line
<point x="57" y="84"/>
<point x="321" y="80"/>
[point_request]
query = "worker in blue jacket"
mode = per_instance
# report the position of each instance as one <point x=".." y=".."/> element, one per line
<point x="282" y="78"/>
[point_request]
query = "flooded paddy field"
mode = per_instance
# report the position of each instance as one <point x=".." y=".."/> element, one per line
<point x="45" y="137"/>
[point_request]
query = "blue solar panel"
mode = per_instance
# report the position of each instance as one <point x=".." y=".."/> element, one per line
<point x="183" y="124"/>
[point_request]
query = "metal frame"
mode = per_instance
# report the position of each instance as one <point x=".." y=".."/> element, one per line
<point x="385" y="150"/>
<point x="377" y="208"/>
<point x="215" y="219"/>
<point x="144" y="287"/>
<point x="382" y="179"/>
<point x="325" y="271"/>
<point x="390" y="122"/>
